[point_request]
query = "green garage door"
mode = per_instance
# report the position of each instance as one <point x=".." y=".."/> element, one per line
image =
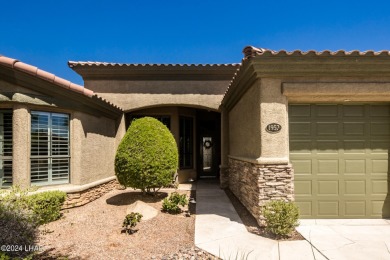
<point x="340" y="159"/>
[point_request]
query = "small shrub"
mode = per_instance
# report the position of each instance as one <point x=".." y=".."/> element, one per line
<point x="47" y="205"/>
<point x="19" y="226"/>
<point x="130" y="221"/>
<point x="281" y="217"/>
<point x="171" y="204"/>
<point x="147" y="156"/>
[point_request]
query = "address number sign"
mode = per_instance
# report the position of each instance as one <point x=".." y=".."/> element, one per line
<point x="273" y="128"/>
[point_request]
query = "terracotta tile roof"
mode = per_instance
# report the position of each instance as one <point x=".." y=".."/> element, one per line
<point x="113" y="64"/>
<point x="36" y="72"/>
<point x="251" y="51"/>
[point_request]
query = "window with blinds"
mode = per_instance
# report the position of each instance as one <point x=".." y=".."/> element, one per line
<point x="50" y="148"/>
<point x="5" y="148"/>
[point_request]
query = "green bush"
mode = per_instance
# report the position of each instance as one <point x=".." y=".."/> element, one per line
<point x="281" y="217"/>
<point x="171" y="204"/>
<point x="147" y="157"/>
<point x="47" y="205"/>
<point x="19" y="226"/>
<point x="130" y="221"/>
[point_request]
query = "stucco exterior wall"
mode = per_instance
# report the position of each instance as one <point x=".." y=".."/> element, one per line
<point x="94" y="143"/>
<point x="21" y="145"/>
<point x="244" y="125"/>
<point x="135" y="94"/>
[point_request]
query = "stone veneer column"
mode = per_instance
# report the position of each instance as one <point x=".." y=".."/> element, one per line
<point x="224" y="167"/>
<point x="21" y="146"/>
<point x="255" y="181"/>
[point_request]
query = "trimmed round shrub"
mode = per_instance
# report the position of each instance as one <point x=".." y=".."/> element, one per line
<point x="147" y="157"/>
<point x="281" y="217"/>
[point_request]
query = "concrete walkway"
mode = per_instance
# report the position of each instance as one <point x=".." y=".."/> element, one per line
<point x="349" y="238"/>
<point x="220" y="231"/>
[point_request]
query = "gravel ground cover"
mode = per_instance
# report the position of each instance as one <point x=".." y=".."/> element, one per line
<point x="93" y="231"/>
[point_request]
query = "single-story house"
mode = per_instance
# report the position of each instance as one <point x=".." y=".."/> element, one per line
<point x="313" y="127"/>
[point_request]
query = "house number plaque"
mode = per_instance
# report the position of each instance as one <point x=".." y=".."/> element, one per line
<point x="273" y="128"/>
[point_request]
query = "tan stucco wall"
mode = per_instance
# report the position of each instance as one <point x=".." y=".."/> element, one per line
<point x="133" y="95"/>
<point x="273" y="109"/>
<point x="94" y="142"/>
<point x="21" y="145"/>
<point x="337" y="90"/>
<point x="244" y="125"/>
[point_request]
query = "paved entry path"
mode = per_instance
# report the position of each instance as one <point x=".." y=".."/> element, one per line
<point x="220" y="231"/>
<point x="349" y="238"/>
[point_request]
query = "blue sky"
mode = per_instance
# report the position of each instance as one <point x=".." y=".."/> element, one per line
<point x="47" y="34"/>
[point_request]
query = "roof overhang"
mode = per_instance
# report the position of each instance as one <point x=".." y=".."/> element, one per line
<point x="120" y="71"/>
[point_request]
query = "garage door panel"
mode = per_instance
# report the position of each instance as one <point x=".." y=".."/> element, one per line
<point x="327" y="146"/>
<point x="301" y="128"/>
<point x="305" y="208"/>
<point x="355" y="166"/>
<point x="354" y="146"/>
<point x="326" y="110"/>
<point x="353" y="111"/>
<point x="327" y="166"/>
<point x="328" y="187"/>
<point x="355" y="208"/>
<point x="354" y="128"/>
<point x="379" y="128"/>
<point x="328" y="208"/>
<point x="379" y="146"/>
<point x="302" y="167"/>
<point x="379" y="187"/>
<point x="301" y="146"/>
<point x="327" y="128"/>
<point x="303" y="188"/>
<point x="379" y="111"/>
<point x="340" y="160"/>
<point x="299" y="111"/>
<point x="377" y="208"/>
<point x="379" y="166"/>
<point x="355" y="187"/>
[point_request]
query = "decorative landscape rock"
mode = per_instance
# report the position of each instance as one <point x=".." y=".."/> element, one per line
<point x="147" y="212"/>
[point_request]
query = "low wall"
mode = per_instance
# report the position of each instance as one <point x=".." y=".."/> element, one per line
<point x="76" y="199"/>
<point x="255" y="184"/>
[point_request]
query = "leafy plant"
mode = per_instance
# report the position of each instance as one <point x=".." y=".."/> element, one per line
<point x="147" y="156"/>
<point x="19" y="226"/>
<point x="47" y="205"/>
<point x="130" y="221"/>
<point x="281" y="217"/>
<point x="171" y="204"/>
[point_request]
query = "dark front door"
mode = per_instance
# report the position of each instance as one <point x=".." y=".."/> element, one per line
<point x="208" y="139"/>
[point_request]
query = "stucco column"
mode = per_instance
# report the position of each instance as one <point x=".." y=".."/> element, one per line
<point x="21" y="146"/>
<point x="224" y="167"/>
<point x="273" y="109"/>
<point x="77" y="136"/>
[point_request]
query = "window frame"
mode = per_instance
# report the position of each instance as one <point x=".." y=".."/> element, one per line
<point x="183" y="150"/>
<point x="6" y="158"/>
<point x="50" y="156"/>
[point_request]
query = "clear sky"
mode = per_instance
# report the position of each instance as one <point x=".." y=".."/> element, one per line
<point x="47" y="34"/>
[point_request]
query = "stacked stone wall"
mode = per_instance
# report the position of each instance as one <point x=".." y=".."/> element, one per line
<point x="256" y="184"/>
<point x="76" y="199"/>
